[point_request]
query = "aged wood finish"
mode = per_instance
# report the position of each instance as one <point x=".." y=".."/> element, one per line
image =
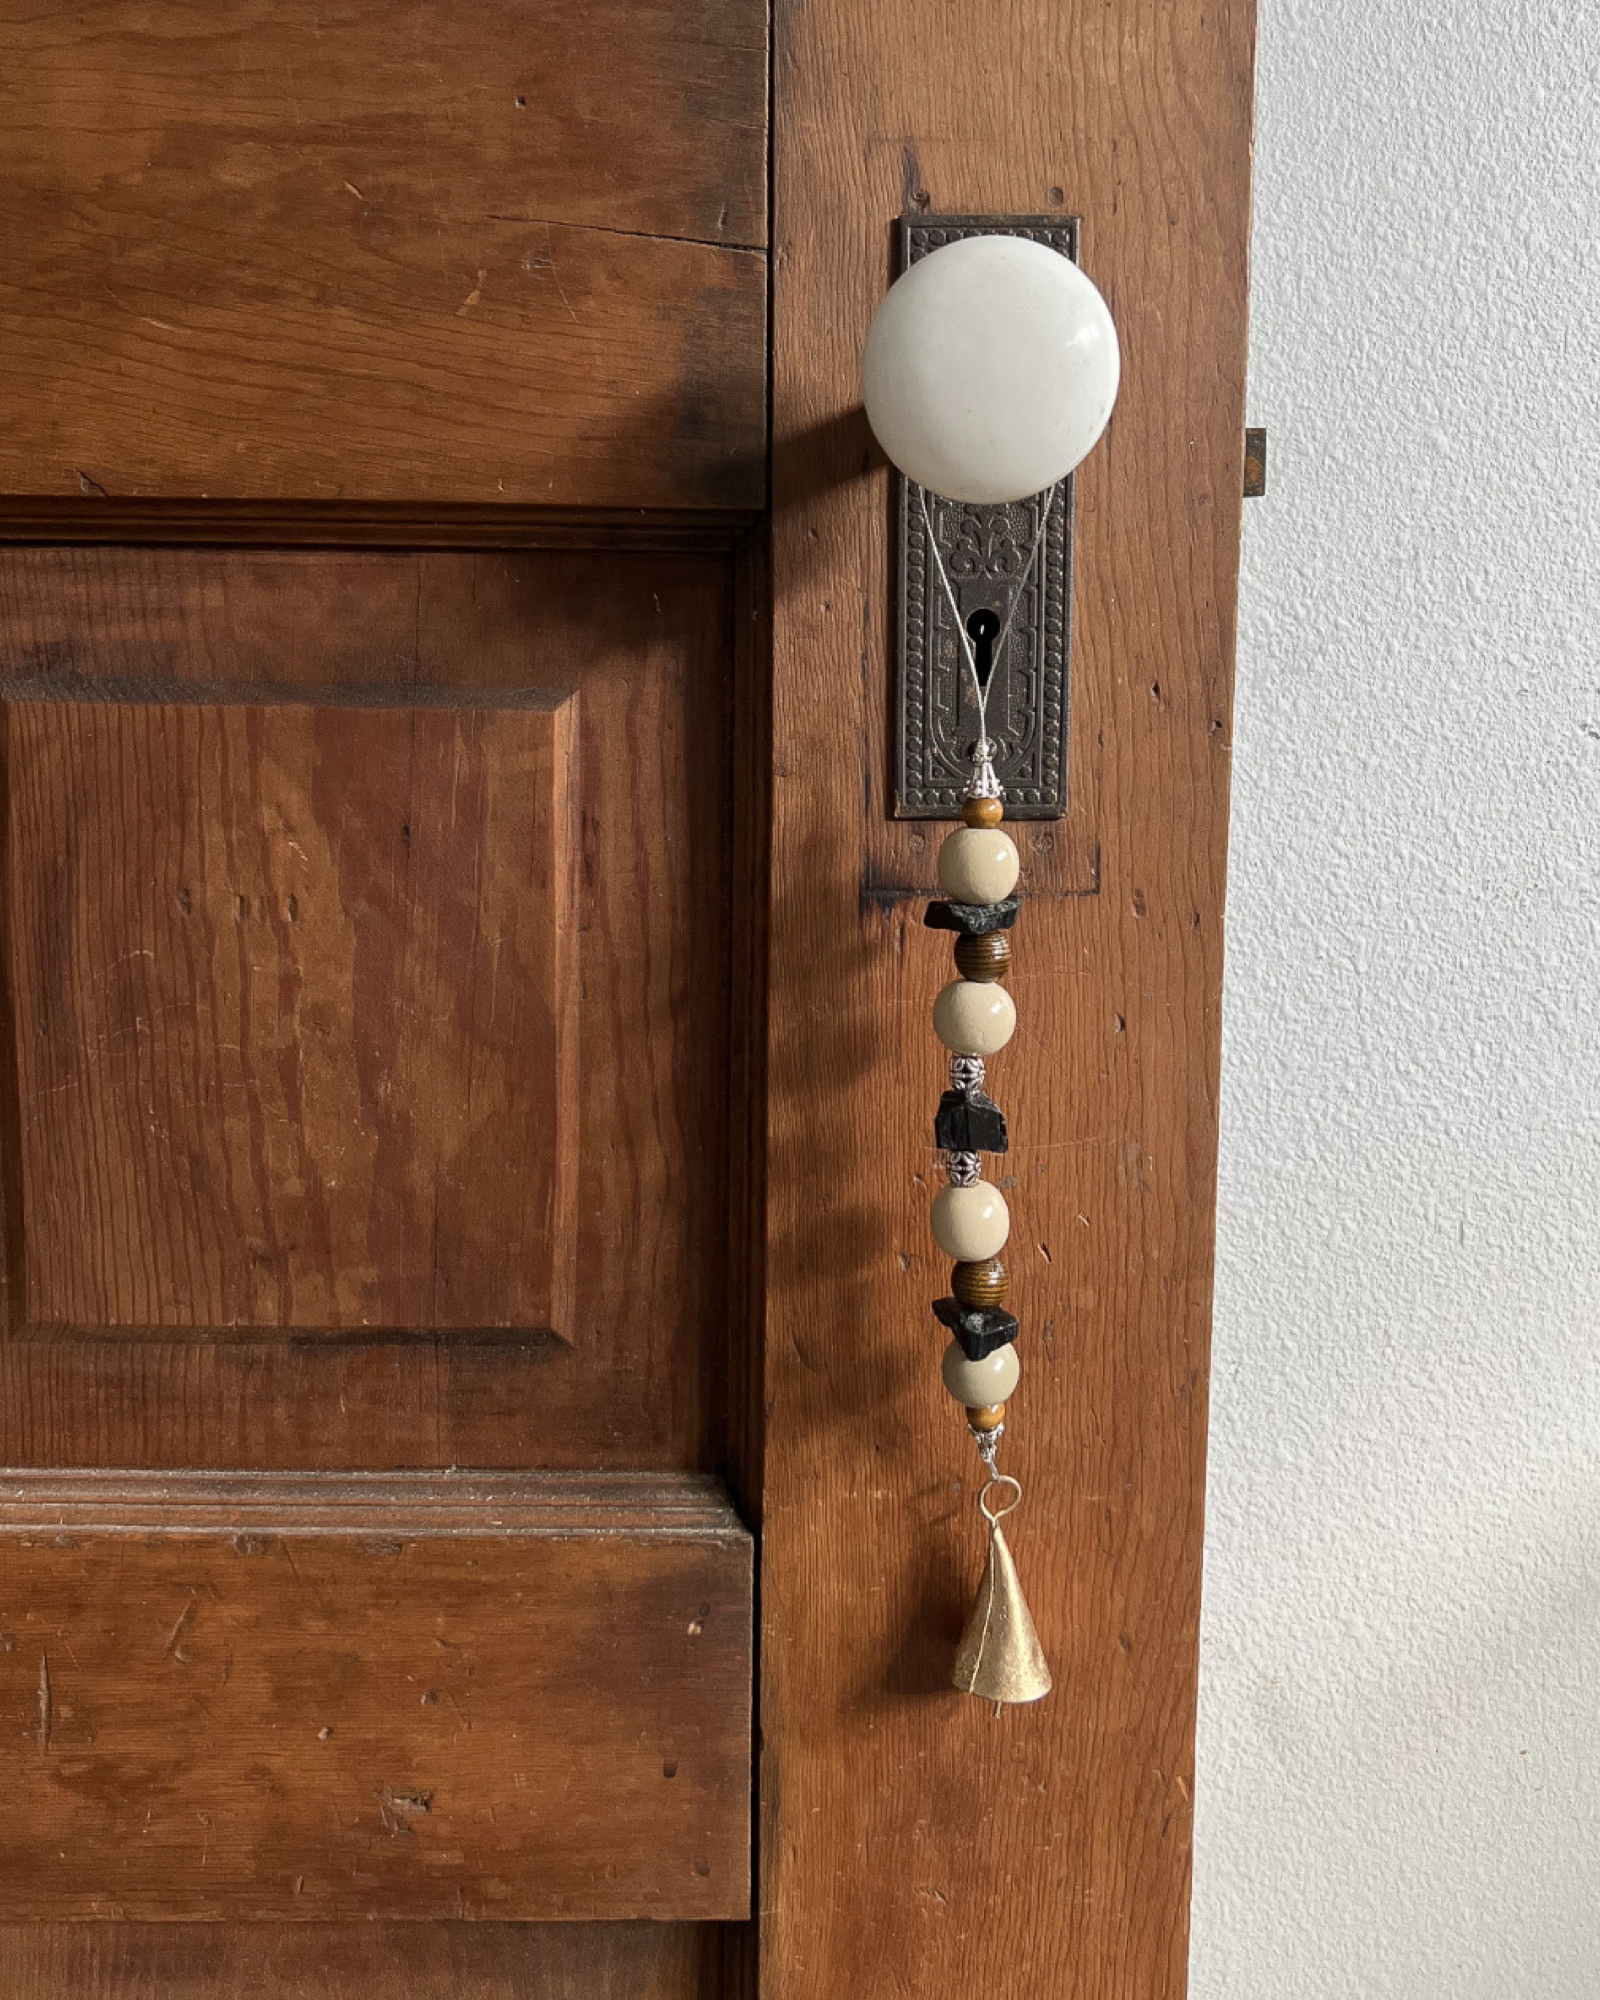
<point x="292" y="983"/>
<point x="912" y="1843"/>
<point x="414" y="252"/>
<point x="424" y="1696"/>
<point x="637" y="1378"/>
<point x="363" y="281"/>
<point x="443" y="1961"/>
<point x="353" y="525"/>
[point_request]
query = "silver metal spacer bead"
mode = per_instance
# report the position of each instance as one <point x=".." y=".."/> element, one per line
<point x="988" y="1443"/>
<point x="983" y="784"/>
<point x="966" y="1072"/>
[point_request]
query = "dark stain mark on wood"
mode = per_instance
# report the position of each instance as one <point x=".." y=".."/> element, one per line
<point x="912" y="192"/>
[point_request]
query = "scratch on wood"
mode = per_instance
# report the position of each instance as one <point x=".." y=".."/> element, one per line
<point x="44" y="1702"/>
<point x="170" y="1650"/>
<point x="549" y="263"/>
<point x="401" y="1809"/>
<point x="641" y="235"/>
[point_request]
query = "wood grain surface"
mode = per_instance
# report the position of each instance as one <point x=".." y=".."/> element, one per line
<point x="393" y="1697"/>
<point x="643" y="642"/>
<point x="353" y="524"/>
<point x="293" y="983"/>
<point x="385" y="253"/>
<point x="439" y="1961"/>
<point x="913" y="1843"/>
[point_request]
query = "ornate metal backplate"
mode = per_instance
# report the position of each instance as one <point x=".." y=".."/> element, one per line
<point x="985" y="549"/>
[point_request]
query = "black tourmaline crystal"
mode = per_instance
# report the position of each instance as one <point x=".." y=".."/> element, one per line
<point x="980" y="1329"/>
<point x="974" y="919"/>
<point x="969" y="1122"/>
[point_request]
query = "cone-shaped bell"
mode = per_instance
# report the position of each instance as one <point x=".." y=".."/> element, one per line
<point x="1000" y="1657"/>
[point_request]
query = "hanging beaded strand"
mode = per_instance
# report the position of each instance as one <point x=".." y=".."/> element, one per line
<point x="989" y="372"/>
<point x="1000" y="1658"/>
<point x="974" y="1017"/>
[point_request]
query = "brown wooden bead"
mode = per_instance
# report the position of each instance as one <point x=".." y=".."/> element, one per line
<point x="989" y="1418"/>
<point x="983" y="812"/>
<point x="981" y="1285"/>
<point x="984" y="958"/>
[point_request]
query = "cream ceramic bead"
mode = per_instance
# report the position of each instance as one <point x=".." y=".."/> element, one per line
<point x="970" y="1224"/>
<point x="976" y="1383"/>
<point x="978" y="864"/>
<point x="973" y="1019"/>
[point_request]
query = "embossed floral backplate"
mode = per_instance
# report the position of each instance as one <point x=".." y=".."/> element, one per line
<point x="985" y="551"/>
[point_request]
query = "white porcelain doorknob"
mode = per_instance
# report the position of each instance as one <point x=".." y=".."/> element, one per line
<point x="990" y="369"/>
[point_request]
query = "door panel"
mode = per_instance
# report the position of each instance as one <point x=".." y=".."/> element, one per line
<point x="265" y="1216"/>
<point x="292" y="983"/>
<point x="424" y="1696"/>
<point x="498" y="253"/>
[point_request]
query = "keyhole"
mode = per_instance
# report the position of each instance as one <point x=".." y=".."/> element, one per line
<point x="983" y="628"/>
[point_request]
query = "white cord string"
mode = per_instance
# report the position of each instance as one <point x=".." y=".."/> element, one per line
<point x="984" y="750"/>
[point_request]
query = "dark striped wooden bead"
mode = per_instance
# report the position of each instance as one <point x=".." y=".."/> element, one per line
<point x="981" y="1286"/>
<point x="985" y="958"/>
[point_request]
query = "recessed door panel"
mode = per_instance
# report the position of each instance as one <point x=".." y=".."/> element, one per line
<point x="293" y="982"/>
<point x="368" y="958"/>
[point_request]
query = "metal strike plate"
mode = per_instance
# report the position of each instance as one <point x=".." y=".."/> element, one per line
<point x="984" y="548"/>
<point x="1255" y="464"/>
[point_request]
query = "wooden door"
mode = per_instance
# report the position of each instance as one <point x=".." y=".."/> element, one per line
<point x="463" y="1051"/>
<point x="385" y="394"/>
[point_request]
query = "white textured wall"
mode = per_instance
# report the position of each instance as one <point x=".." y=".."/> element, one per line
<point x="1398" y="1788"/>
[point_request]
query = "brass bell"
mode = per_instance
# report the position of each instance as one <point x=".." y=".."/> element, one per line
<point x="1000" y="1658"/>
